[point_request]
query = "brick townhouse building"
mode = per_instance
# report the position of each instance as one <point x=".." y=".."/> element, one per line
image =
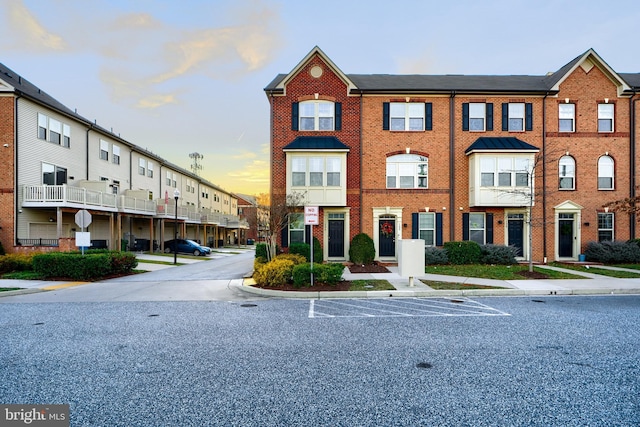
<point x="54" y="163"/>
<point x="497" y="159"/>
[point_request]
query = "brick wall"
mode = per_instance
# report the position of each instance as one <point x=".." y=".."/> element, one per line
<point x="7" y="168"/>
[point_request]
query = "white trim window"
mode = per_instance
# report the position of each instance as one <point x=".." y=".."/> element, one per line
<point x="150" y="170"/>
<point x="605" y="117"/>
<point x="142" y="163"/>
<point x="566" y="117"/>
<point x="55" y="131"/>
<point x="477" y="116"/>
<point x="53" y="175"/>
<point x="174" y="180"/>
<point x="296" y="228"/>
<point x="427" y="228"/>
<point x="567" y="173"/>
<point x="299" y="171"/>
<point x="605" y="173"/>
<point x="104" y="150"/>
<point x="66" y="135"/>
<point x="477" y="228"/>
<point x="315" y="171"/>
<point x="42" y="126"/>
<point x="168" y="179"/>
<point x="510" y="172"/>
<point x="317" y="115"/>
<point x="516" y="117"/>
<point x="407" y="171"/>
<point x="407" y="116"/>
<point x="116" y="155"/>
<point x="605" y="226"/>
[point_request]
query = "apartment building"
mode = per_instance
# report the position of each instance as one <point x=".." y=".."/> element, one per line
<point x="54" y="163"/>
<point x="497" y="159"/>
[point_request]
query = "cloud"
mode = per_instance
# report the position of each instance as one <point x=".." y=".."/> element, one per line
<point x="156" y="101"/>
<point x="245" y="155"/>
<point x="28" y="32"/>
<point x="256" y="171"/>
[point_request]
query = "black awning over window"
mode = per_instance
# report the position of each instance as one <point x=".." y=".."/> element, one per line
<point x="330" y="143"/>
<point x="497" y="143"/>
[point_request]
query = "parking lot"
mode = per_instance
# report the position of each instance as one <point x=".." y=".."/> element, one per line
<point x="404" y="307"/>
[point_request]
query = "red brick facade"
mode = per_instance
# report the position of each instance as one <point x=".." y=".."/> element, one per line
<point x="7" y="171"/>
<point x="586" y="82"/>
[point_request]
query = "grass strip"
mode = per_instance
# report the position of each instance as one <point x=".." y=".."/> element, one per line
<point x="497" y="272"/>
<point x="371" y="285"/>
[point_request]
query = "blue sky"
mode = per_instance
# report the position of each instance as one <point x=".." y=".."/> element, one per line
<point x="177" y="77"/>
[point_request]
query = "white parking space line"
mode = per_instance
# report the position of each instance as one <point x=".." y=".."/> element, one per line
<point x="400" y="307"/>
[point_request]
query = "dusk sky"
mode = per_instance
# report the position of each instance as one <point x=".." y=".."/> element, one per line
<point x="177" y="77"/>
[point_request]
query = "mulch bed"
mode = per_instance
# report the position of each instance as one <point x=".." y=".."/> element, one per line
<point x="532" y="274"/>
<point x="368" y="268"/>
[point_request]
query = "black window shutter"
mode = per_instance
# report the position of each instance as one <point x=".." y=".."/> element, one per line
<point x="338" y="107"/>
<point x="505" y="116"/>
<point x="385" y="116"/>
<point x="307" y="234"/>
<point x="284" y="236"/>
<point x="439" y="241"/>
<point x="294" y="116"/>
<point x="415" y="218"/>
<point x="465" y="116"/>
<point x="489" y="219"/>
<point x="428" y="116"/>
<point x="489" y="108"/>
<point x="528" y="116"/>
<point x="465" y="226"/>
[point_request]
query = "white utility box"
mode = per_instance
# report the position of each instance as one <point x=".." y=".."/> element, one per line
<point x="411" y="258"/>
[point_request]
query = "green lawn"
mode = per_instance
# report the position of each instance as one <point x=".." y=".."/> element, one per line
<point x="452" y="286"/>
<point x="9" y="289"/>
<point x="497" y="272"/>
<point x="371" y="285"/>
<point x="593" y="269"/>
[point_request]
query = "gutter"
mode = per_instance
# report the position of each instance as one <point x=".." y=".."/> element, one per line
<point x="632" y="164"/>
<point x="544" y="180"/>
<point x="361" y="162"/>
<point x="16" y="208"/>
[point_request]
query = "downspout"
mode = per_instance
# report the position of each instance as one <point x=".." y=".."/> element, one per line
<point x="452" y="174"/>
<point x="87" y="153"/>
<point x="361" y="162"/>
<point x="632" y="164"/>
<point x="544" y="179"/>
<point x="131" y="169"/>
<point x="16" y="208"/>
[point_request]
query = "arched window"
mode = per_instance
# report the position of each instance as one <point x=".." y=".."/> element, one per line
<point x="407" y="171"/>
<point x="605" y="173"/>
<point x="567" y="173"/>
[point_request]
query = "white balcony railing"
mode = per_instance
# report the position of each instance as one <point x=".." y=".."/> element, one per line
<point x="64" y="195"/>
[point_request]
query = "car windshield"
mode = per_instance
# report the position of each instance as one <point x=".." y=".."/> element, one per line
<point x="192" y="242"/>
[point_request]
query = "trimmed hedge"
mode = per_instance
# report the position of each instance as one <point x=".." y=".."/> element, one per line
<point x="90" y="266"/>
<point x="362" y="250"/>
<point x="613" y="252"/>
<point x="435" y="256"/>
<point x="330" y="274"/>
<point x="15" y="262"/>
<point x="465" y="252"/>
<point x="498" y="254"/>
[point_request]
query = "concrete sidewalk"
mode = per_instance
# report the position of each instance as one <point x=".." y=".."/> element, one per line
<point x="592" y="284"/>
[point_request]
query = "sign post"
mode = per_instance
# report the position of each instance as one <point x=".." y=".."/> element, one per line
<point x="311" y="217"/>
<point x="83" y="219"/>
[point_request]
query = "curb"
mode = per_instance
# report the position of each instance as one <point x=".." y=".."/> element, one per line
<point x="21" y="292"/>
<point x="434" y="293"/>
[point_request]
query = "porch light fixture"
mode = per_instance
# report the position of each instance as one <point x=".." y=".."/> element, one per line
<point x="176" y="195"/>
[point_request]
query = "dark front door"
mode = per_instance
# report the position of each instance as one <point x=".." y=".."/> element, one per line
<point x="516" y="233"/>
<point x="336" y="238"/>
<point x="565" y="236"/>
<point x="387" y="237"/>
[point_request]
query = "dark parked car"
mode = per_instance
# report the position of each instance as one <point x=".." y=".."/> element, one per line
<point x="187" y="247"/>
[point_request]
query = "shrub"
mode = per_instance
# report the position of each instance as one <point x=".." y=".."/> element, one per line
<point x="362" y="250"/>
<point x="1" y="249"/>
<point x="277" y="272"/>
<point x="498" y="254"/>
<point x="317" y="251"/>
<point x="261" y="251"/>
<point x="466" y="252"/>
<point x="330" y="274"/>
<point x="613" y="252"/>
<point x="300" y="249"/>
<point x="435" y="256"/>
<point x="295" y="258"/>
<point x="92" y="265"/>
<point x="15" y="262"/>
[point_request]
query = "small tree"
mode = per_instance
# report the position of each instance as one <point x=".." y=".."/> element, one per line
<point x="278" y="216"/>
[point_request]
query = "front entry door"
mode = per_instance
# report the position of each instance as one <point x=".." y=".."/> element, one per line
<point x="515" y="229"/>
<point x="336" y="238"/>
<point x="565" y="236"/>
<point x="387" y="237"/>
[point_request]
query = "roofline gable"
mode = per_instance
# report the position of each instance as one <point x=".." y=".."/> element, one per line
<point x="597" y="61"/>
<point x="281" y="86"/>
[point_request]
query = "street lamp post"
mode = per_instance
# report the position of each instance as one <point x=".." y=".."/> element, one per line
<point x="176" y="195"/>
